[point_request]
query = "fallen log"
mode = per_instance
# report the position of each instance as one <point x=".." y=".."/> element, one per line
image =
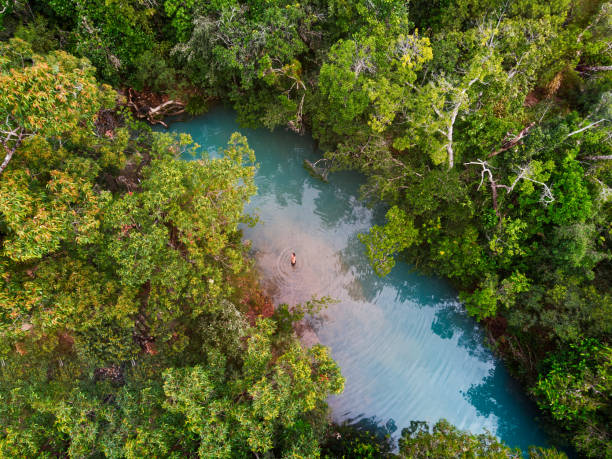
<point x="142" y="108"/>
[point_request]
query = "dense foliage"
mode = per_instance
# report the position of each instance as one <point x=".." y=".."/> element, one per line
<point x="120" y="266"/>
<point x="484" y="124"/>
<point x="444" y="440"/>
<point x="420" y="441"/>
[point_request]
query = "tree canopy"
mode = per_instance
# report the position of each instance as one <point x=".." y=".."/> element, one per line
<point x="484" y="125"/>
<point x="121" y="266"/>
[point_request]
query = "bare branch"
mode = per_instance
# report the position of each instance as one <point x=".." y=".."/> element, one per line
<point x="606" y="192"/>
<point x="603" y="13"/>
<point x="514" y="70"/>
<point x="19" y="135"/>
<point x="507" y="145"/>
<point x="408" y="46"/>
<point x="486" y="169"/>
<point x="594" y="68"/>
<point x="362" y="64"/>
<point x="585" y="128"/>
<point x="546" y="197"/>
<point x="499" y="19"/>
<point x="437" y="112"/>
<point x="599" y="158"/>
<point x="524" y="174"/>
<point x="449" y="136"/>
<point x="453" y="117"/>
<point x="7" y="159"/>
<point x="160" y="108"/>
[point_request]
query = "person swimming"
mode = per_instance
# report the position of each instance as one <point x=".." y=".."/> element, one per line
<point x="293" y="260"/>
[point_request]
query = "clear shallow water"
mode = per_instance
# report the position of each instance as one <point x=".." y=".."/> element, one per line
<point x="406" y="348"/>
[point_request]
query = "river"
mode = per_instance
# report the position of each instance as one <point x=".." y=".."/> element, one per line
<point x="406" y="347"/>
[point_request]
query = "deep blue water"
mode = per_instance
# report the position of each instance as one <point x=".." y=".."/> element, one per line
<point x="406" y="347"/>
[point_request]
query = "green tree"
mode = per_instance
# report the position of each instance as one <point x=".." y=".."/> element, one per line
<point x="120" y="264"/>
<point x="384" y="242"/>
<point x="576" y="389"/>
<point x="445" y="440"/>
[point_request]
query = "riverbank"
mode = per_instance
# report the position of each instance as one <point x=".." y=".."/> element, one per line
<point x="403" y="341"/>
<point x="484" y="125"/>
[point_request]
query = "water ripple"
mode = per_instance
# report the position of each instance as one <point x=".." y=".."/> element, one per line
<point x="405" y="345"/>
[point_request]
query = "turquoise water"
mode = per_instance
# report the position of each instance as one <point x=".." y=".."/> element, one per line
<point x="406" y="348"/>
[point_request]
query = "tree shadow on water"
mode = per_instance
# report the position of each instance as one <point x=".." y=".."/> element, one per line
<point x="363" y="438"/>
<point x="339" y="202"/>
<point x="335" y="206"/>
<point x="373" y="425"/>
<point x="407" y="284"/>
<point x="284" y="182"/>
<point x="501" y="399"/>
<point x="420" y="289"/>
<point x="452" y="320"/>
<point x="364" y="284"/>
